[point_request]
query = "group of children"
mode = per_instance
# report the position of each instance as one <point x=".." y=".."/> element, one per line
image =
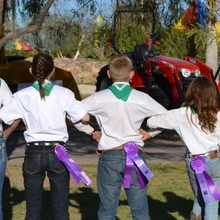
<point x="119" y="111"/>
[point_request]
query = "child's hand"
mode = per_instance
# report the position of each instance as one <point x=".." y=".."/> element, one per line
<point x="145" y="134"/>
<point x="96" y="135"/>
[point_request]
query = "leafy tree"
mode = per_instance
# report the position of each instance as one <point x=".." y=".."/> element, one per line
<point x="37" y="10"/>
<point x="173" y="43"/>
<point x="202" y="38"/>
<point x="37" y="7"/>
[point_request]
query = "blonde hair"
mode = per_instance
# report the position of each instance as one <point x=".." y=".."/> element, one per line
<point x="202" y="98"/>
<point x="120" y="67"/>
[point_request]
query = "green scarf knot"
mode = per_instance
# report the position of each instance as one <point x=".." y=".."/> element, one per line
<point x="121" y="91"/>
<point x="47" y="87"/>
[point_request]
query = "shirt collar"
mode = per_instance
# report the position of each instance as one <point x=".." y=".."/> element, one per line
<point x="121" y="90"/>
<point x="47" y="86"/>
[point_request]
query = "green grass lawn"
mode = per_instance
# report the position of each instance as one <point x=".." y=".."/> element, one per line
<point x="169" y="193"/>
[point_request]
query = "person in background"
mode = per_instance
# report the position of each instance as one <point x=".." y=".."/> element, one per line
<point x="120" y="111"/>
<point x="43" y="107"/>
<point x="198" y="124"/>
<point x="5" y="96"/>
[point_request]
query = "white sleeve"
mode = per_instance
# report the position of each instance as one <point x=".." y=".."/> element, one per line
<point x="86" y="128"/>
<point x="11" y="111"/>
<point x="152" y="107"/>
<point x="5" y="92"/>
<point x="154" y="132"/>
<point x="73" y="107"/>
<point x="169" y="120"/>
<point x="89" y="104"/>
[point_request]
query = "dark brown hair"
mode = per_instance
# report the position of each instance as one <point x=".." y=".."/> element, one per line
<point x="120" y="67"/>
<point x="42" y="66"/>
<point x="202" y="98"/>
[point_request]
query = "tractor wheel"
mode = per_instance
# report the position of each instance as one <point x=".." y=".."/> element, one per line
<point x="102" y="80"/>
<point x="158" y="95"/>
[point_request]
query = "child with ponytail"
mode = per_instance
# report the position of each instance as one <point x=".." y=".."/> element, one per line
<point x="43" y="107"/>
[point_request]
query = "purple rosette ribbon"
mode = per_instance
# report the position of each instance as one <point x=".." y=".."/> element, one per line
<point x="206" y="183"/>
<point x="75" y="170"/>
<point x="133" y="160"/>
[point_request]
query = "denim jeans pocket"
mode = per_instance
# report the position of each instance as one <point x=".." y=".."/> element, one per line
<point x="213" y="168"/>
<point x="108" y="172"/>
<point x="2" y="152"/>
<point x="56" y="165"/>
<point x="32" y="163"/>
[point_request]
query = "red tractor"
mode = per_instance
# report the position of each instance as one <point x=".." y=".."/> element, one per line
<point x="164" y="78"/>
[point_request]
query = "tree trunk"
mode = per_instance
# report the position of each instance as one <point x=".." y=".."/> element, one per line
<point x="212" y="46"/>
<point x="3" y="59"/>
<point x="78" y="49"/>
<point x="212" y="50"/>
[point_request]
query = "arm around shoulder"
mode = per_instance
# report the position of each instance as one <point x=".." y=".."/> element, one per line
<point x="169" y="120"/>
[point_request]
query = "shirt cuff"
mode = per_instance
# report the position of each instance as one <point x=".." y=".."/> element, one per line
<point x="86" y="128"/>
<point x="154" y="132"/>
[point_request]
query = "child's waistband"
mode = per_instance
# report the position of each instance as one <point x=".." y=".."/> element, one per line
<point x="45" y="143"/>
<point x="99" y="152"/>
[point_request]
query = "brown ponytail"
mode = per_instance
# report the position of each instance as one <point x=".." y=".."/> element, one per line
<point x="42" y="66"/>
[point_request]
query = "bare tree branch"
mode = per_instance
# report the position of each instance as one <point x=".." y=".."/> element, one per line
<point x="31" y="29"/>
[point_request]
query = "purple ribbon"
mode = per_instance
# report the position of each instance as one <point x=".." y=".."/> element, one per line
<point x="132" y="159"/>
<point x="206" y="183"/>
<point x="75" y="170"/>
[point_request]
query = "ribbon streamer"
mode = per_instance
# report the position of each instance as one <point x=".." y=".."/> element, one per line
<point x="75" y="170"/>
<point x="206" y="183"/>
<point x="132" y="159"/>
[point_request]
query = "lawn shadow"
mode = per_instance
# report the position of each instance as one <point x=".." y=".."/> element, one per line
<point x="10" y="197"/>
<point x="88" y="203"/>
<point x="160" y="210"/>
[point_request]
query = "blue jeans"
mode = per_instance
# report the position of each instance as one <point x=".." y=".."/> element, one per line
<point x="39" y="160"/>
<point x="111" y="168"/>
<point x="3" y="159"/>
<point x="209" y="210"/>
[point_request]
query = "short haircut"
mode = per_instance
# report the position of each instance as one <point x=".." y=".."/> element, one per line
<point x="120" y="67"/>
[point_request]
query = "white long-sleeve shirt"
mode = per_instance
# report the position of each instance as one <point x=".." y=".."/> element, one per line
<point x="120" y="120"/>
<point x="45" y="120"/>
<point x="5" y="96"/>
<point x="196" y="140"/>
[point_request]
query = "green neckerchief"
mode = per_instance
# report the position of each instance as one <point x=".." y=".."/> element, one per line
<point x="193" y="111"/>
<point x="121" y="91"/>
<point x="47" y="87"/>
